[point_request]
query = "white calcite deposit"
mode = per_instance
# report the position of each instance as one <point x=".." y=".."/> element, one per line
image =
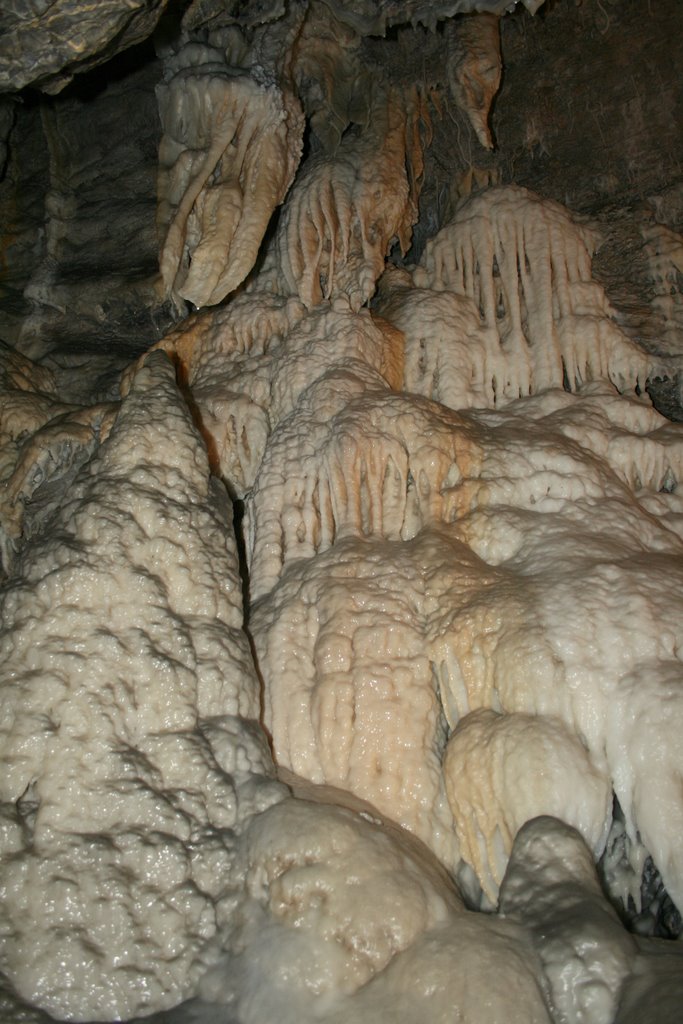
<point x="457" y="619"/>
<point x="494" y="585"/>
<point x="459" y="557"/>
<point x="526" y="265"/>
<point x="131" y="753"/>
<point x="230" y="148"/>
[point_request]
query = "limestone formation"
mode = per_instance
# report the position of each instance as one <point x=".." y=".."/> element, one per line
<point x="230" y="147"/>
<point x="341" y="660"/>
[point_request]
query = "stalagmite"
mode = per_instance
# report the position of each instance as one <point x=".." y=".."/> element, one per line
<point x="130" y="753"/>
<point x="586" y="954"/>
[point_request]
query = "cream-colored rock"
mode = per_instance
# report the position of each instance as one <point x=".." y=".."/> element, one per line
<point x="241" y="401"/>
<point x="452" y="569"/>
<point x="213" y="339"/>
<point x="454" y="587"/>
<point x="274" y="375"/>
<point x="345" y="919"/>
<point x="248" y="365"/>
<point x="578" y="613"/>
<point x="130" y="755"/>
<point x="501" y="770"/>
<point x="478" y="967"/>
<point x="230" y="148"/>
<point x="526" y="264"/>
<point x="640" y="446"/>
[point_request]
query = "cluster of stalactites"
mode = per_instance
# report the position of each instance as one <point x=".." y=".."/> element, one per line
<point x="232" y="142"/>
<point x="346" y="211"/>
<point x="525" y="264"/>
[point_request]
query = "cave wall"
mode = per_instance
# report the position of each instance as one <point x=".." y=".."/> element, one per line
<point x="593" y="106"/>
<point x="79" y="198"/>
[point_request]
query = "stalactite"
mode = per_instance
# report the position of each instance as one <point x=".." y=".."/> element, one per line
<point x="230" y="148"/>
<point x="475" y="68"/>
<point x="346" y="210"/>
<point x="527" y="267"/>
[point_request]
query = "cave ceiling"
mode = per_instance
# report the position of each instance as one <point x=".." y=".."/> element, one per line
<point x="46" y="44"/>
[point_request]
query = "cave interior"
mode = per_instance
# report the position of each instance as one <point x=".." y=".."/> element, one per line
<point x="341" y="521"/>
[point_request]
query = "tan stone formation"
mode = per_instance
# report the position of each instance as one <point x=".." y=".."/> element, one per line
<point x="357" y="612"/>
<point x="339" y="456"/>
<point x="347" y="210"/>
<point x="229" y="151"/>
